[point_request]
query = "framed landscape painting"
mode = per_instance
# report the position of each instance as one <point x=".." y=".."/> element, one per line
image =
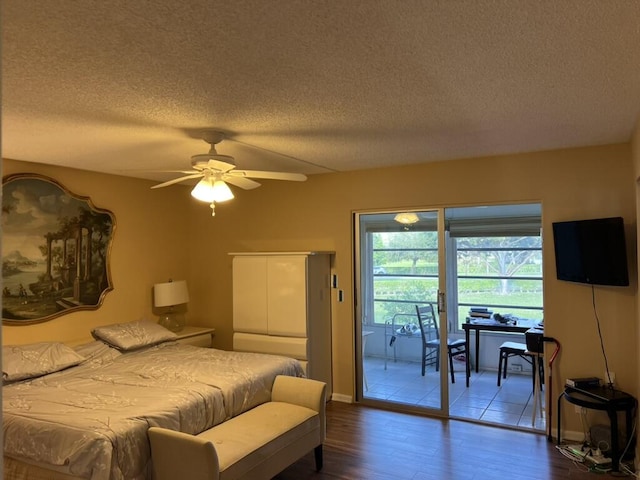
<point x="55" y="250"/>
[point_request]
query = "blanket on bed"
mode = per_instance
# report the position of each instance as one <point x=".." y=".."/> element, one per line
<point x="92" y="419"/>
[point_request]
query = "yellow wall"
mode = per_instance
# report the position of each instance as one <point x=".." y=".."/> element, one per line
<point x="162" y="233"/>
<point x="148" y="247"/>
<point x="635" y="143"/>
<point x="316" y="215"/>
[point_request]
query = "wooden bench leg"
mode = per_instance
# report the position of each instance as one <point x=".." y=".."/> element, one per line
<point x="318" y="454"/>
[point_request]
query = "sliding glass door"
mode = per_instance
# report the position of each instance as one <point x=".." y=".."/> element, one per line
<point x="450" y="260"/>
<point x="398" y="271"/>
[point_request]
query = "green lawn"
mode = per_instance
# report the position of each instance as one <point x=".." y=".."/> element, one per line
<point x="400" y="295"/>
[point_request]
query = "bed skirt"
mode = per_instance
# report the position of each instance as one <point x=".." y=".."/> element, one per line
<point x="17" y="470"/>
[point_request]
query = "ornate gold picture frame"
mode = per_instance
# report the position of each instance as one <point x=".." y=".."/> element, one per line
<point x="55" y="250"/>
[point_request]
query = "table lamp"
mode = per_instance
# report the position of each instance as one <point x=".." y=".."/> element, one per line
<point x="170" y="294"/>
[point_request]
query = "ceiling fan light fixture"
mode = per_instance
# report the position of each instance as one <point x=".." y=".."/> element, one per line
<point x="407" y="218"/>
<point x="214" y="171"/>
<point x="211" y="191"/>
<point x="221" y="191"/>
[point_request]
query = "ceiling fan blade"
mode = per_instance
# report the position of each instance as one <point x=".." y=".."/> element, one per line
<point x="221" y="163"/>
<point x="178" y="180"/>
<point x="241" y="182"/>
<point x="296" y="177"/>
<point x="224" y="163"/>
<point x="186" y="172"/>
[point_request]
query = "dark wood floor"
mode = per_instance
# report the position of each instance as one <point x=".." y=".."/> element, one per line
<point x="371" y="444"/>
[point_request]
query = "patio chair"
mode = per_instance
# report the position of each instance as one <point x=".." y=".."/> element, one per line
<point x="513" y="349"/>
<point x="431" y="340"/>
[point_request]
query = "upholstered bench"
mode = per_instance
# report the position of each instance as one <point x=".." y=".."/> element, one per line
<point x="258" y="444"/>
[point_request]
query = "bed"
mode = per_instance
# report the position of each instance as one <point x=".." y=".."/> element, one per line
<point x="90" y="419"/>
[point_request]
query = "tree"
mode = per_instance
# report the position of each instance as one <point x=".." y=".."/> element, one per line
<point x="502" y="256"/>
<point x="411" y="246"/>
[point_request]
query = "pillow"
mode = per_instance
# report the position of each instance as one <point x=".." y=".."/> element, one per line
<point x="20" y="362"/>
<point x="133" y="335"/>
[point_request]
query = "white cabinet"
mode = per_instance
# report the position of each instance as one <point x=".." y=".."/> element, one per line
<point x="282" y="305"/>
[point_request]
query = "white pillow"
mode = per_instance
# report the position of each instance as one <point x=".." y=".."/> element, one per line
<point x="133" y="335"/>
<point x="20" y="362"/>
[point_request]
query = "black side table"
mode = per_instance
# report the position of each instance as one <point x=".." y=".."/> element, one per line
<point x="605" y="399"/>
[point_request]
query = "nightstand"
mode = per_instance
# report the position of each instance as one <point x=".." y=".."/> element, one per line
<point x="197" y="336"/>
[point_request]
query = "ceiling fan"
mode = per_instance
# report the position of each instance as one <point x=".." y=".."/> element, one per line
<point x="217" y="170"/>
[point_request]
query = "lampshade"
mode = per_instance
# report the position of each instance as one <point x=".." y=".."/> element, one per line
<point x="208" y="190"/>
<point x="406" y="218"/>
<point x="170" y="293"/>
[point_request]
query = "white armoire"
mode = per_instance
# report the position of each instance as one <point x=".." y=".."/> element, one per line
<point x="282" y="305"/>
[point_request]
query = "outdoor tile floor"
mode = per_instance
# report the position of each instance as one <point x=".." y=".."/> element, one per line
<point x="511" y="404"/>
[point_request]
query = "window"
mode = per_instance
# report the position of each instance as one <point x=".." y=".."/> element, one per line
<point x="405" y="272"/>
<point x="493" y="260"/>
<point x="503" y="274"/>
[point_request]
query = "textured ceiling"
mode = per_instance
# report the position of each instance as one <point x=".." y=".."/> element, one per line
<point x="122" y="86"/>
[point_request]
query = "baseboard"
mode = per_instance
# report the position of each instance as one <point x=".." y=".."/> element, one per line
<point x="339" y="397"/>
<point x="569" y="436"/>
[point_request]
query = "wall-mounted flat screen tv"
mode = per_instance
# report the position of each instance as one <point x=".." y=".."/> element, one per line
<point x="591" y="251"/>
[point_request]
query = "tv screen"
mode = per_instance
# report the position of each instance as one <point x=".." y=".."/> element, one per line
<point x="591" y="251"/>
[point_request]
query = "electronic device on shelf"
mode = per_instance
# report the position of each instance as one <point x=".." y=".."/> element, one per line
<point x="584" y="382"/>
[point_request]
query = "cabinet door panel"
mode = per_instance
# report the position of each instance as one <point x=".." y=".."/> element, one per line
<point x="287" y="297"/>
<point x="295" y="347"/>
<point x="250" y="294"/>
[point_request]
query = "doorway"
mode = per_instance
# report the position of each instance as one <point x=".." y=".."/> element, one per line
<point x="454" y="259"/>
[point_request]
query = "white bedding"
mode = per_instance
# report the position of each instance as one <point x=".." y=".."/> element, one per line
<point x="91" y="420"/>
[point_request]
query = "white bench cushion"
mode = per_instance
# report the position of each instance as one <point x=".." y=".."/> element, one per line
<point x="265" y="432"/>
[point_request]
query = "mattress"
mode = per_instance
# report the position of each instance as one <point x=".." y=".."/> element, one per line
<point x="90" y="421"/>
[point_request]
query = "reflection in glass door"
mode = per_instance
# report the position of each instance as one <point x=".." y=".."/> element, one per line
<point x="398" y="282"/>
